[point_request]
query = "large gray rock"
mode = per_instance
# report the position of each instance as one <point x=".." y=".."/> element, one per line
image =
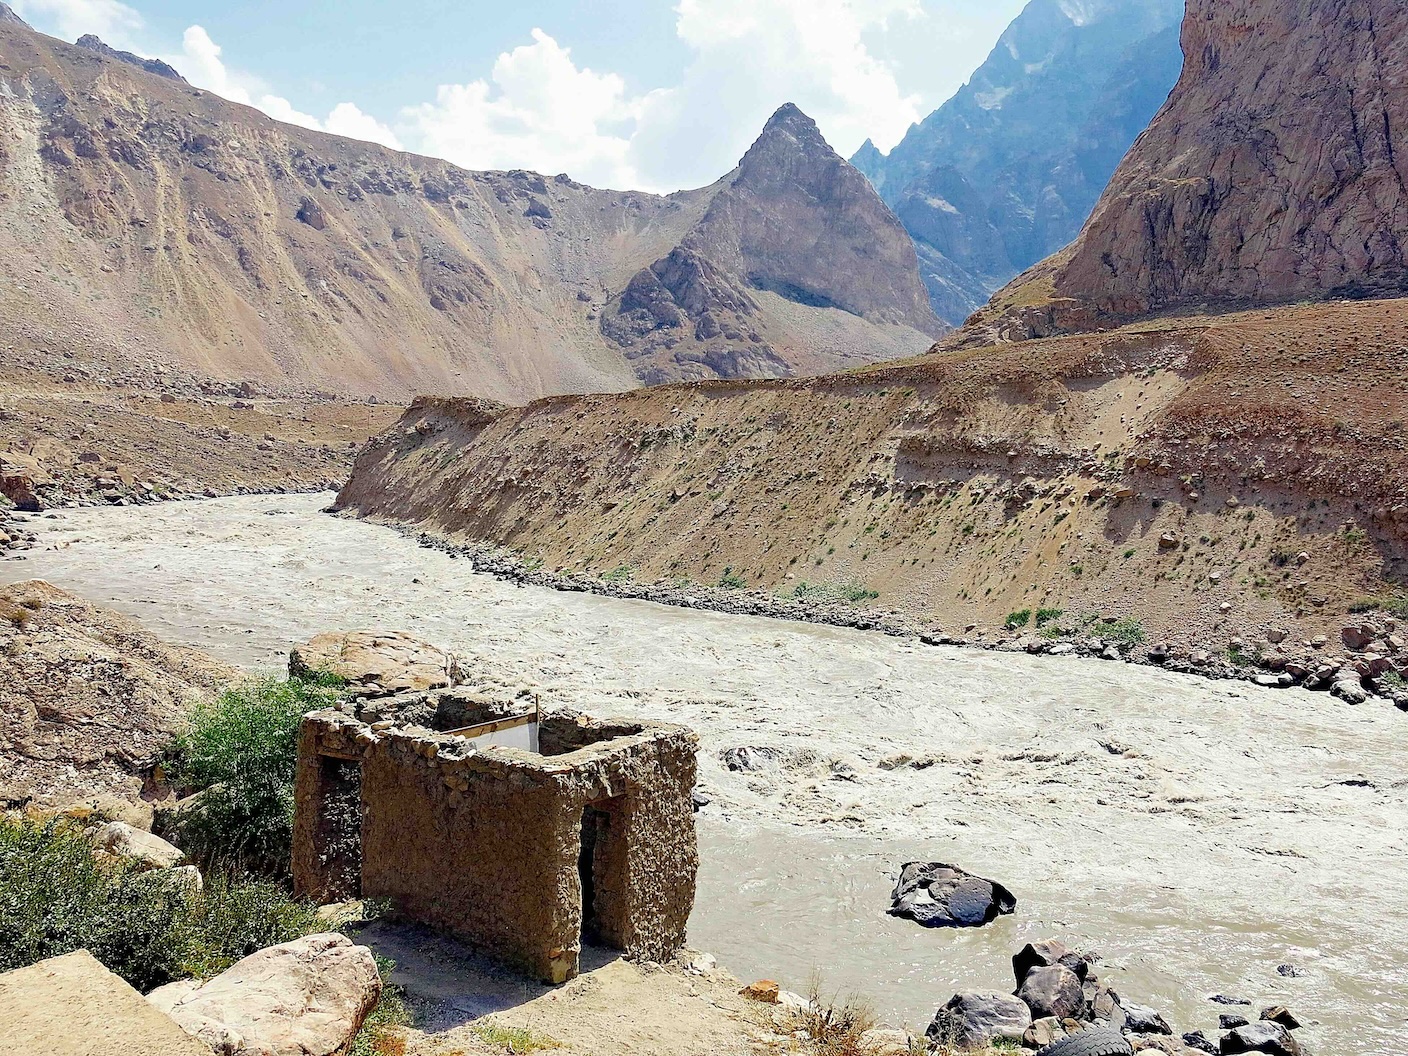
<point x="1053" y="990"/>
<point x="976" y="1020"/>
<point x="944" y="896"/>
<point x="1141" y="1020"/>
<point x="302" y="998"/>
<point x="1040" y="954"/>
<point x="1267" y="1037"/>
<point x="124" y="841"/>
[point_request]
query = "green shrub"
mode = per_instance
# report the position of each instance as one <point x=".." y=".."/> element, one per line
<point x="239" y="751"/>
<point x="1126" y="633"/>
<point x="619" y="574"/>
<point x="731" y="580"/>
<point x="1020" y="618"/>
<point x="839" y="592"/>
<point x="1045" y="616"/>
<point x="147" y="927"/>
<point x="513" y="1040"/>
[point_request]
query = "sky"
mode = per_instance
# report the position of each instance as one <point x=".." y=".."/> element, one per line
<point x="651" y="95"/>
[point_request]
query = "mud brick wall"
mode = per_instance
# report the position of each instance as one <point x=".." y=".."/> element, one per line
<point x="486" y="843"/>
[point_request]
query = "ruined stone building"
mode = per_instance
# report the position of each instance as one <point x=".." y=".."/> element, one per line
<point x="578" y="831"/>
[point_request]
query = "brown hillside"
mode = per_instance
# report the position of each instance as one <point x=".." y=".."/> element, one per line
<point x="1274" y="173"/>
<point x="964" y="488"/>
<point x="139" y="213"/>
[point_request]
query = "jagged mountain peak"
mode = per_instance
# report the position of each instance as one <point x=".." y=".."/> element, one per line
<point x="94" y="43"/>
<point x="789" y="132"/>
<point x="1005" y="172"/>
<point x="7" y="15"/>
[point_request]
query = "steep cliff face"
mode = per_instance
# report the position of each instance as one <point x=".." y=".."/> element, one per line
<point x="1006" y="171"/>
<point x="138" y="212"/>
<point x="1275" y="173"/>
<point x="793" y="225"/>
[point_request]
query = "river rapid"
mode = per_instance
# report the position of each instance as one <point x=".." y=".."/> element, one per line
<point x="1199" y="835"/>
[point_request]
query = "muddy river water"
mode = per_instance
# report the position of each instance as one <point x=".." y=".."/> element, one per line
<point x="1200" y="835"/>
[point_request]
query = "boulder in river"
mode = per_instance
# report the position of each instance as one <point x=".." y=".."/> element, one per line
<point x="976" y="1020"/>
<point x="1039" y="954"/>
<point x="1053" y="990"/>
<point x="749" y="758"/>
<point x="944" y="896"/>
<point x="1265" y="1037"/>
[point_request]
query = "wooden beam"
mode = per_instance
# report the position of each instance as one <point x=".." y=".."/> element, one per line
<point x="497" y="726"/>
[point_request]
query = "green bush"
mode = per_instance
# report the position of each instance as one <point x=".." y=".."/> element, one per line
<point x="731" y="580"/>
<point x="148" y="927"/>
<point x="1017" y="619"/>
<point x="1045" y="616"/>
<point x="1127" y="633"/>
<point x="841" y="592"/>
<point x="239" y="751"/>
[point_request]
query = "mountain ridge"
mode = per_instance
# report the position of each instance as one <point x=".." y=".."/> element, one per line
<point x="139" y="212"/>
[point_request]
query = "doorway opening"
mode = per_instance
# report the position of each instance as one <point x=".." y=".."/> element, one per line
<point x="601" y="869"/>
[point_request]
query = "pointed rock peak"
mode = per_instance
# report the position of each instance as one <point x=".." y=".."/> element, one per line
<point x="94" y="43"/>
<point x="789" y="118"/>
<point x="789" y="134"/>
<point x="868" y="154"/>
<point x="8" y="17"/>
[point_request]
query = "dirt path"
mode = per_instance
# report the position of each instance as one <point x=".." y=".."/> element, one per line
<point x="1199" y="834"/>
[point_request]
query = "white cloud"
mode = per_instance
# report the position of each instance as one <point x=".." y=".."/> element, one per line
<point x="750" y="56"/>
<point x="540" y="112"/>
<point x="200" y="62"/>
<point x="115" y="22"/>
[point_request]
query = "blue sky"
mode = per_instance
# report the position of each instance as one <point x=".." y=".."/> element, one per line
<point x="652" y="95"/>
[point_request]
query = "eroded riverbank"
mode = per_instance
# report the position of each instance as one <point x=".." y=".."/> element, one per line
<point x="1199" y="834"/>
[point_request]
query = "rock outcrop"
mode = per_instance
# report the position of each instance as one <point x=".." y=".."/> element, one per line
<point x="376" y="664"/>
<point x="93" y="42"/>
<point x="1008" y="170"/>
<point x="87" y="702"/>
<point x="302" y="998"/>
<point x="1274" y="173"/>
<point x="73" y="1006"/>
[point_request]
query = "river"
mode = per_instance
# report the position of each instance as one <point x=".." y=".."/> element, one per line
<point x="1198" y="834"/>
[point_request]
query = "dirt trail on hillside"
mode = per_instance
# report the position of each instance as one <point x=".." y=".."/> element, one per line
<point x="1199" y="834"/>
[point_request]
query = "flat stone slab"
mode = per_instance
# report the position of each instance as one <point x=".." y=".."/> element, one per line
<point x="390" y="662"/>
<point x="73" y="1006"/>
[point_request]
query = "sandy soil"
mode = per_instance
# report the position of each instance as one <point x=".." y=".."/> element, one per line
<point x="1211" y="478"/>
<point x="685" y="1008"/>
<point x="1198" y="834"/>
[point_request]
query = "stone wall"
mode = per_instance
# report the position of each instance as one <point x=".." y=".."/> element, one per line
<point x="485" y="842"/>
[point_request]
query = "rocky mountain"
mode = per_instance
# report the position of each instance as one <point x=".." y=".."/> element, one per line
<point x="1006" y="171"/>
<point x="1275" y="173"/>
<point x="140" y="213"/>
<point x="793" y="223"/>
